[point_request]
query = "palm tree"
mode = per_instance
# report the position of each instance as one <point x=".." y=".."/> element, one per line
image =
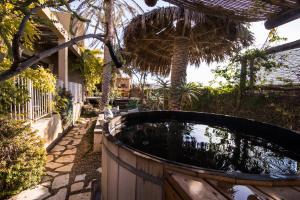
<point x="107" y="15"/>
<point x="189" y="94"/>
<point x="106" y="76"/>
<point x="167" y="39"/>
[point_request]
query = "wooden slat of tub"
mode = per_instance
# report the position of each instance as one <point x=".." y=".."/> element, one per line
<point x="127" y="183"/>
<point x="146" y="190"/>
<point x="112" y="178"/>
<point x="170" y="193"/>
<point x="104" y="173"/>
<point x="280" y="193"/>
<point x="194" y="189"/>
<point x="232" y="191"/>
<point x="297" y="188"/>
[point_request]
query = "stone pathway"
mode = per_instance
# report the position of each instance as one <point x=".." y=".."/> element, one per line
<point x="71" y="168"/>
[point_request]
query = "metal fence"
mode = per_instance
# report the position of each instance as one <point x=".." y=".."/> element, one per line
<point x="76" y="91"/>
<point x="37" y="105"/>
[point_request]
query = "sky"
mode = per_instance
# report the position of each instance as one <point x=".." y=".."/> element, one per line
<point x="203" y="74"/>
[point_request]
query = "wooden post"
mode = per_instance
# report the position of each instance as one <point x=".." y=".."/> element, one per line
<point x="63" y="64"/>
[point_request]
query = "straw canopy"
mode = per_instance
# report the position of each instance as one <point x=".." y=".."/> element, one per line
<point x="149" y="38"/>
<point x="245" y="10"/>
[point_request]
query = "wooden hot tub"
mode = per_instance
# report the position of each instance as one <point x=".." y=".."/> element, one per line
<point x="131" y="174"/>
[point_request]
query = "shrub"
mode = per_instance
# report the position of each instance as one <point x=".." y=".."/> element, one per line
<point x="63" y="105"/>
<point x="22" y="157"/>
<point x="132" y="104"/>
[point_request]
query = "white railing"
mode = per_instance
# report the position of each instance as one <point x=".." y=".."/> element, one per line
<point x="74" y="88"/>
<point x="38" y="105"/>
<point x="76" y="91"/>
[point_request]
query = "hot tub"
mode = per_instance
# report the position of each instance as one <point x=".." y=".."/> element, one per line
<point x="140" y="149"/>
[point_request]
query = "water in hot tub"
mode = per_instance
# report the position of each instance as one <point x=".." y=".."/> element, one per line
<point x="210" y="147"/>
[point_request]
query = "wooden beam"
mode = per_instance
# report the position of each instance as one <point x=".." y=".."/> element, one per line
<point x="283" y="18"/>
<point x="284" y="47"/>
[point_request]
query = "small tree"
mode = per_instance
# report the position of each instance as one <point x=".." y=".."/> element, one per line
<point x="18" y="33"/>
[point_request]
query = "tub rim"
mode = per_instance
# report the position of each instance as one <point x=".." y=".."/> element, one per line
<point x="201" y="172"/>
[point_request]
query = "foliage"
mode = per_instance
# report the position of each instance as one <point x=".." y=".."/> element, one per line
<point x="22" y="157"/>
<point x="114" y="94"/>
<point x="10" y="18"/>
<point x="89" y="111"/>
<point x="158" y="98"/>
<point x="42" y="78"/>
<point x="189" y="94"/>
<point x="10" y="92"/>
<point x="132" y="104"/>
<point x="91" y="67"/>
<point x="263" y="105"/>
<point x="63" y="105"/>
<point x="262" y="61"/>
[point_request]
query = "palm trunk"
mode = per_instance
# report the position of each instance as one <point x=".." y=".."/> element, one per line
<point x="179" y="63"/>
<point x="106" y="76"/>
<point x="178" y="71"/>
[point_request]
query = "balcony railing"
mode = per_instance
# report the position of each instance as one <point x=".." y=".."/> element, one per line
<point x="38" y="105"/>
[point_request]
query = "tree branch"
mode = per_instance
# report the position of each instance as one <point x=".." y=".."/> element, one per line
<point x="16" y="42"/>
<point x="39" y="56"/>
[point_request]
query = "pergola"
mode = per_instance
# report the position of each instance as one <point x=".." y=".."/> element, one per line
<point x="275" y="12"/>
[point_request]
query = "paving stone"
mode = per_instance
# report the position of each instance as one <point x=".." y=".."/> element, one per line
<point x="99" y="170"/>
<point x="67" y="138"/>
<point x="58" y="148"/>
<point x="60" y="181"/>
<point x="46" y="184"/>
<point x="76" y="141"/>
<point x="80" y="177"/>
<point x="55" y="153"/>
<point x="65" y="159"/>
<point x="78" y="136"/>
<point x="36" y="193"/>
<point x="66" y="168"/>
<point x="50" y="158"/>
<point x="81" y="196"/>
<point x="70" y="135"/>
<point x="46" y="178"/>
<point x="60" y="195"/>
<point x="53" y="165"/>
<point x="51" y="173"/>
<point x="70" y="146"/>
<point x="77" y="186"/>
<point x="64" y="142"/>
<point x="70" y="151"/>
<point x="89" y="185"/>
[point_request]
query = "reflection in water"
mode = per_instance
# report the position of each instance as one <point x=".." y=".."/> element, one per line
<point x="209" y="147"/>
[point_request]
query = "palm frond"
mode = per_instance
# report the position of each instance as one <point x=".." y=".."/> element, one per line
<point x="148" y="38"/>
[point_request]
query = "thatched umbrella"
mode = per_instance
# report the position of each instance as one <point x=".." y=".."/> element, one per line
<point x="167" y="39"/>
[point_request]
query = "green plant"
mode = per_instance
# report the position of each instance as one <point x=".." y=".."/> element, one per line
<point x="90" y="66"/>
<point x="22" y="157"/>
<point x="63" y="105"/>
<point x="132" y="104"/>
